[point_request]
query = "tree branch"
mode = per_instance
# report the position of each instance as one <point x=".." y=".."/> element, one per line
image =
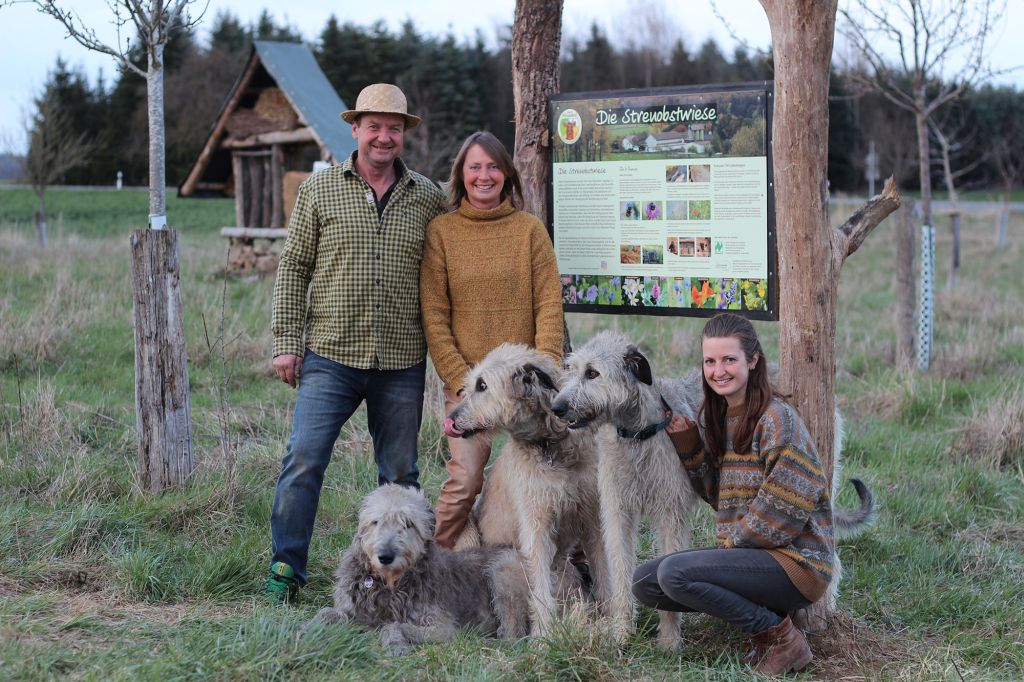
<point x="850" y="235"/>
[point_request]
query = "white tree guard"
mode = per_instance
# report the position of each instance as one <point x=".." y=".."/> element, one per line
<point x="926" y="322"/>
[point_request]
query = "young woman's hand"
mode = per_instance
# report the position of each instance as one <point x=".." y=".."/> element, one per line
<point x="679" y="424"/>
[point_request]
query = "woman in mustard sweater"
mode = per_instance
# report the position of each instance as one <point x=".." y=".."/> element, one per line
<point x="757" y="466"/>
<point x="489" y="276"/>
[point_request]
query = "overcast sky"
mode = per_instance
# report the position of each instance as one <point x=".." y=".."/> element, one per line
<point x="30" y="42"/>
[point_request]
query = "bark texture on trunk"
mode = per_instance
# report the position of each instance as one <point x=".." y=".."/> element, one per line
<point x="162" y="407"/>
<point x="157" y="153"/>
<point x="802" y="33"/>
<point x="536" y="37"/>
<point x="906" y="287"/>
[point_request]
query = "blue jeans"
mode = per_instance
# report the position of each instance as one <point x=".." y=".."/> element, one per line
<point x="328" y="395"/>
<point x="744" y="587"/>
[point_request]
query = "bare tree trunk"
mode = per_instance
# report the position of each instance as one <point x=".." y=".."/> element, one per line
<point x="906" y="288"/>
<point x="41" y="219"/>
<point x="162" y="407"/>
<point x="802" y="33"/>
<point x="536" y="36"/>
<point x="923" y="166"/>
<point x="813" y="252"/>
<point x="157" y="153"/>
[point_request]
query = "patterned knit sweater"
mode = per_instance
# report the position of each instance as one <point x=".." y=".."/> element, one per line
<point x="774" y="497"/>
<point x="488" y="277"/>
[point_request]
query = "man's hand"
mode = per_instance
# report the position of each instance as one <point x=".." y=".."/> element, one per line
<point x="287" y="368"/>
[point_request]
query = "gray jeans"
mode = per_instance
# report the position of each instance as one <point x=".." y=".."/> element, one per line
<point x="745" y="587"/>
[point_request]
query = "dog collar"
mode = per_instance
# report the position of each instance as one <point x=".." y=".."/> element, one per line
<point x="650" y="429"/>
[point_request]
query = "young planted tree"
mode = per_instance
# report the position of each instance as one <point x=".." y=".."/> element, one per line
<point x="938" y="50"/>
<point x="162" y="404"/>
<point x="153" y="21"/>
<point x="999" y="112"/>
<point x="54" y="148"/>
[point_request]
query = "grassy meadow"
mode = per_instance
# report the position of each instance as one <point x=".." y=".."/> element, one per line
<point x="100" y="581"/>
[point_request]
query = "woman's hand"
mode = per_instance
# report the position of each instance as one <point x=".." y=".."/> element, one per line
<point x="679" y="424"/>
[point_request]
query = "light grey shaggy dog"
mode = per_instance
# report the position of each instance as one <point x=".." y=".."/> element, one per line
<point x="608" y="382"/>
<point x="395" y="578"/>
<point x="541" y="494"/>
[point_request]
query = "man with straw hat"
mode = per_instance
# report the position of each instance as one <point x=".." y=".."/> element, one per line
<point x="346" y="320"/>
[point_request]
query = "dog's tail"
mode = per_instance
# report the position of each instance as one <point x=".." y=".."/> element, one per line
<point x="847" y="523"/>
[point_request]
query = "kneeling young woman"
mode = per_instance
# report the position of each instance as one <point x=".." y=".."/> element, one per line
<point x="755" y="463"/>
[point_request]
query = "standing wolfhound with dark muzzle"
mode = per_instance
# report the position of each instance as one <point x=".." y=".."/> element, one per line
<point x="608" y="382"/>
<point x="395" y="578"/>
<point x="541" y="494"/>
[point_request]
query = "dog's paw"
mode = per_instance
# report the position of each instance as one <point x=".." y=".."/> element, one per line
<point x="393" y="641"/>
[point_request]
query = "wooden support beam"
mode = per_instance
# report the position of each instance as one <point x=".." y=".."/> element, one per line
<point x="277" y="186"/>
<point x="273" y="137"/>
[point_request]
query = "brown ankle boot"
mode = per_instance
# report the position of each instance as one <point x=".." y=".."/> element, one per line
<point x="780" y="649"/>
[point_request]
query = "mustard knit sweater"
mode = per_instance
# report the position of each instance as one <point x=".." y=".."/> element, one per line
<point x="488" y="277"/>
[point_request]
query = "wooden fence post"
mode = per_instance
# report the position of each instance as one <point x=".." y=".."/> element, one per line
<point x="906" y="289"/>
<point x="954" y="265"/>
<point x="163" y="411"/>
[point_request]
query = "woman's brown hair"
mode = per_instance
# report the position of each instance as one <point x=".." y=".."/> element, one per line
<point x="759" y="391"/>
<point x="493" y="147"/>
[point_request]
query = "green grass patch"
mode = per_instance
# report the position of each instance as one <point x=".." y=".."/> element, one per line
<point x="99" y="580"/>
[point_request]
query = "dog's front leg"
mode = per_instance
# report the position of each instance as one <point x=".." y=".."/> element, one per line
<point x="537" y="544"/>
<point x="619" y="526"/>
<point x="673" y="530"/>
<point x="399" y="638"/>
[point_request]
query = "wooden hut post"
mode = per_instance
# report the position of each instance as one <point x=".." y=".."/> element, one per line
<point x="277" y="185"/>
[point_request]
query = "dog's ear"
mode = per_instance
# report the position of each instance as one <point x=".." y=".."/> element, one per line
<point x="543" y="378"/>
<point x="637" y="365"/>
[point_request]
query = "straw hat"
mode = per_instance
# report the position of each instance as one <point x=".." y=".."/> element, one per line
<point x="381" y="98"/>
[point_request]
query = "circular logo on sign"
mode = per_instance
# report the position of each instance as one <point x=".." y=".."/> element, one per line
<point x="570" y="125"/>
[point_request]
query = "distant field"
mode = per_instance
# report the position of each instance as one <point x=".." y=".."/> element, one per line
<point x="100" y="581"/>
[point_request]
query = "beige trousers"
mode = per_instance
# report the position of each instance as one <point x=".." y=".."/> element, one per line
<point x="465" y="468"/>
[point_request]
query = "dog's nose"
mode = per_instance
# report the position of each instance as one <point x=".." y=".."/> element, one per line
<point x="559" y="408"/>
<point x="386" y="557"/>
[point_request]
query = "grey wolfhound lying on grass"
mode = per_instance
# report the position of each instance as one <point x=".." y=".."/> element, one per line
<point x="394" y="577"/>
<point x="608" y="381"/>
<point x="541" y="494"/>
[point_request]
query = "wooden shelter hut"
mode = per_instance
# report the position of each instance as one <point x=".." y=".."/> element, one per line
<point x="279" y="119"/>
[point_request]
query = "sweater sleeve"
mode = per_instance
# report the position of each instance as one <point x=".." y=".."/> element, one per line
<point x="437" y="311"/>
<point x="702" y="473"/>
<point x="547" y="294"/>
<point x="792" y="486"/>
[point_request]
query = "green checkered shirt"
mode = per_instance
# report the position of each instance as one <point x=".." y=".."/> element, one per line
<point x="361" y="271"/>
